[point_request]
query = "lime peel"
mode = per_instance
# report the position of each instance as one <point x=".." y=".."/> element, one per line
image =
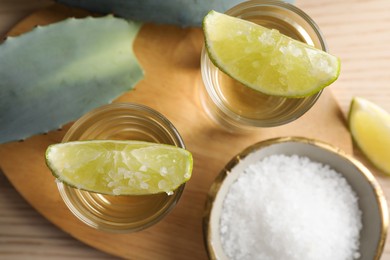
<point x="120" y="167"/>
<point x="369" y="125"/>
<point x="266" y="60"/>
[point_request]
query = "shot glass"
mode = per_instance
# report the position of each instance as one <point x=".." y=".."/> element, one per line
<point x="120" y="214"/>
<point x="239" y="108"/>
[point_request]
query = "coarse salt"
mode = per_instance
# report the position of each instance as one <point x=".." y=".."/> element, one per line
<point x="289" y="207"/>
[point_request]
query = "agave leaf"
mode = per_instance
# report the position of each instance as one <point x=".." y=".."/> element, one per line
<point x="54" y="74"/>
<point x="177" y="12"/>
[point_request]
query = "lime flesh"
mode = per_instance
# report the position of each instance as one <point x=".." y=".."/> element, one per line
<point x="370" y="128"/>
<point x="266" y="60"/>
<point x="120" y="167"/>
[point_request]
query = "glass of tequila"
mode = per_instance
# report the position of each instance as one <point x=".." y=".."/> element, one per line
<point x="121" y="121"/>
<point x="239" y="108"/>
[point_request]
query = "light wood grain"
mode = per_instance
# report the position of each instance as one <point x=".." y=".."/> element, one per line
<point x="357" y="31"/>
<point x="170" y="57"/>
<point x="24" y="233"/>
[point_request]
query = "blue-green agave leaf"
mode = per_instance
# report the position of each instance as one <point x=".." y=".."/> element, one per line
<point x="178" y="12"/>
<point x="54" y="74"/>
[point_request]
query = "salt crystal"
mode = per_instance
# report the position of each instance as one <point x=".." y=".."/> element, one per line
<point x="117" y="191"/>
<point x="289" y="207"/>
<point x="139" y="175"/>
<point x="267" y="38"/>
<point x="144" y="185"/>
<point x="296" y="52"/>
<point x="162" y="184"/>
<point x="143" y="168"/>
<point x="163" y="171"/>
<point x="127" y="174"/>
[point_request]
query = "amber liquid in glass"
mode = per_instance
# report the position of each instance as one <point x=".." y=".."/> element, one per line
<point x="122" y="121"/>
<point x="251" y="103"/>
<point x="236" y="106"/>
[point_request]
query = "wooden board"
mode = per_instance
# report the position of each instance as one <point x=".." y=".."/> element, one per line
<point x="170" y="57"/>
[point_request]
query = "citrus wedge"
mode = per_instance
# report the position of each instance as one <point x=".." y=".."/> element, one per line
<point x="370" y="128"/>
<point x="266" y="60"/>
<point x="120" y="167"/>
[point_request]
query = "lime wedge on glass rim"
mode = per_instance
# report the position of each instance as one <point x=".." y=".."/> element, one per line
<point x="369" y="125"/>
<point x="120" y="167"/>
<point x="266" y="60"/>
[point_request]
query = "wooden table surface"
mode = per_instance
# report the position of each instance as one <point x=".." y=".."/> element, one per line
<point x="358" y="31"/>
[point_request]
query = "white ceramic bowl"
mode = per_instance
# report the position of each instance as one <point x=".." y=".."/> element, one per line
<point x="372" y="201"/>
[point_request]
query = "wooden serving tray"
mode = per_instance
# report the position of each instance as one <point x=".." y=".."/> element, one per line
<point x="170" y="57"/>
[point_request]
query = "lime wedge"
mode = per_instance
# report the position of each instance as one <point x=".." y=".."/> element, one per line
<point x="266" y="60"/>
<point x="370" y="128"/>
<point x="120" y="167"/>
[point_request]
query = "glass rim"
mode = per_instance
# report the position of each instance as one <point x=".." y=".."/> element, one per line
<point x="286" y="6"/>
<point x="127" y="105"/>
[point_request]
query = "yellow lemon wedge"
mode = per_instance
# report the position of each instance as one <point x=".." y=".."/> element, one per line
<point x="370" y="128"/>
<point x="120" y="167"/>
<point x="266" y="60"/>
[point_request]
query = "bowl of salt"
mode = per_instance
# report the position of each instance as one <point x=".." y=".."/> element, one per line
<point x="295" y="198"/>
